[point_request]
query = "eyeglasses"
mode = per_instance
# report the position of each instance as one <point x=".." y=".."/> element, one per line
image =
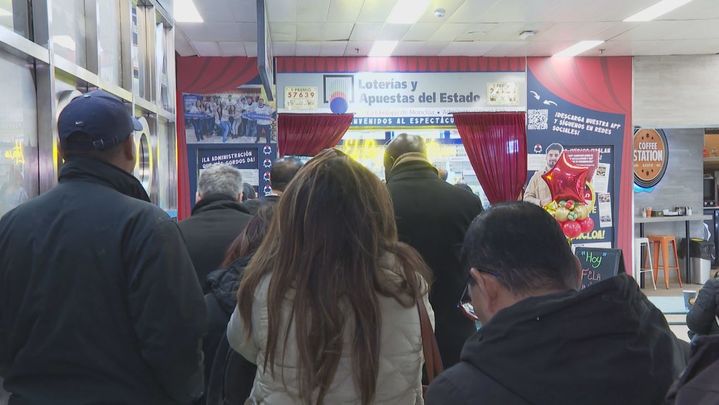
<point x="465" y="301"/>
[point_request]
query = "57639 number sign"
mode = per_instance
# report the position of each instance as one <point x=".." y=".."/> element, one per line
<point x="300" y="98"/>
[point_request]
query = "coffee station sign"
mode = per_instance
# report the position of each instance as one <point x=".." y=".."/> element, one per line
<point x="651" y="157"/>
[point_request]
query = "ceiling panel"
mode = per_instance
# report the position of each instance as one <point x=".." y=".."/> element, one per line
<point x="242" y="10"/>
<point x="578" y="31"/>
<point x="375" y="10"/>
<point x="251" y="49"/>
<point x="232" y="49"/>
<point x="313" y="10"/>
<point x="283" y="32"/>
<point x="182" y="46"/>
<point x="547" y="48"/>
<point x="393" y="32"/>
<point x="220" y="31"/>
<point x="705" y="8"/>
<point x="283" y="48"/>
<point x="336" y="48"/>
<point x="448" y="32"/>
<point x="671" y="47"/>
<point x="449" y="6"/>
<point x="308" y="48"/>
<point x="358" y="48"/>
<point x="282" y="10"/>
<point x="466" y="49"/>
<point x="215" y="10"/>
<point x="663" y="30"/>
<point x="207" y="48"/>
<point x="421" y="31"/>
<point x="365" y="31"/>
<point x="326" y="32"/>
<point x="501" y="10"/>
<point x="344" y="10"/>
<point x="418" y="48"/>
<point x="508" y="48"/>
<point x="604" y="10"/>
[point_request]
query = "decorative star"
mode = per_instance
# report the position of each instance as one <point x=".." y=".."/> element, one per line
<point x="566" y="180"/>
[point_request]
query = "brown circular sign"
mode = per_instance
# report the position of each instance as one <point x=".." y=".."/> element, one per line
<point x="650" y="157"/>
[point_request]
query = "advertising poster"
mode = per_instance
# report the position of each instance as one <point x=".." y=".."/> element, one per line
<point x="591" y="137"/>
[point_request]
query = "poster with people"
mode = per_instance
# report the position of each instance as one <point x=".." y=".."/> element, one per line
<point x="243" y="117"/>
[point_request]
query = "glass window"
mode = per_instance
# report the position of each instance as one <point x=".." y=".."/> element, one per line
<point x="161" y="51"/>
<point x="108" y="35"/>
<point x="13" y="15"/>
<point x="68" y="27"/>
<point x="18" y="133"/>
<point x="166" y="168"/>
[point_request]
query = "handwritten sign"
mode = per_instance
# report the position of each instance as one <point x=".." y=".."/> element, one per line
<point x="599" y="264"/>
<point x="300" y="98"/>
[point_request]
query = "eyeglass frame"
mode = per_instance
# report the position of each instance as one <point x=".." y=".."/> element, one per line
<point x="467" y="308"/>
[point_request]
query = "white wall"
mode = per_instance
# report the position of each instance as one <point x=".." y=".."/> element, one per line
<point x="676" y="91"/>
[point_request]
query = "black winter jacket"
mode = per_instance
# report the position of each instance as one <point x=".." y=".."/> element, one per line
<point x="698" y="383"/>
<point x="99" y="302"/>
<point x="432" y="217"/>
<point x="216" y="221"/>
<point x="229" y="375"/>
<point x="701" y="319"/>
<point x="604" y="345"/>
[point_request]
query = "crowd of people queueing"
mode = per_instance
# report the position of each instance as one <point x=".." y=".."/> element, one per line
<point x="243" y="116"/>
<point x="315" y="294"/>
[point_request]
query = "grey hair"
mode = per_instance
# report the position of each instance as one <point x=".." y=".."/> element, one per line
<point x="220" y="179"/>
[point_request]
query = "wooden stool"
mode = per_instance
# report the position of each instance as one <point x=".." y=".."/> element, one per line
<point x="641" y="266"/>
<point x="661" y="243"/>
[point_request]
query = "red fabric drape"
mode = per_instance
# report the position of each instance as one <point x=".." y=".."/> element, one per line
<point x="308" y="134"/>
<point x="203" y="75"/>
<point x="496" y="144"/>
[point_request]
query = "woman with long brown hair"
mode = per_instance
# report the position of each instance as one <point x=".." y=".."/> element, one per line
<point x="327" y="306"/>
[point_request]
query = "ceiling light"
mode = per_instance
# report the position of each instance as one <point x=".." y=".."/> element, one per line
<point x="578" y="48"/>
<point x="186" y="12"/>
<point x="656" y="10"/>
<point x="65" y="41"/>
<point x="4" y="13"/>
<point x="383" y="48"/>
<point x="407" y="11"/>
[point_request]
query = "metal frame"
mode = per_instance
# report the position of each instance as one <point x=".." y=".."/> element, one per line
<point x="34" y="43"/>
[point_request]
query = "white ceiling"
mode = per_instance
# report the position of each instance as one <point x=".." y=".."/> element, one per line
<point x="469" y="28"/>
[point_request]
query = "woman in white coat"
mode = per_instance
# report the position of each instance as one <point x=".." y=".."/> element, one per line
<point x="327" y="306"/>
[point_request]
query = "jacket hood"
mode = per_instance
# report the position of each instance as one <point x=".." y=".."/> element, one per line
<point x="412" y="165"/>
<point x="569" y="347"/>
<point x="81" y="168"/>
<point x="218" y="202"/>
<point x="223" y="283"/>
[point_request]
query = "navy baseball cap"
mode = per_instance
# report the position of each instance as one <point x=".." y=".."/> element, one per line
<point x="104" y="118"/>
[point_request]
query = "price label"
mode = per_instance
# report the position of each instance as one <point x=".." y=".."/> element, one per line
<point x="300" y="98"/>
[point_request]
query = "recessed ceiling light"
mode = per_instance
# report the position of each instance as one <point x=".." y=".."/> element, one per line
<point x="186" y="12"/>
<point x="4" y="13"/>
<point x="407" y="11"/>
<point x="383" y="48"/>
<point x="578" y="48"/>
<point x="656" y="10"/>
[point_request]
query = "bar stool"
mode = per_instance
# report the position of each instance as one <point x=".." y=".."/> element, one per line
<point x="660" y="243"/>
<point x="638" y="243"/>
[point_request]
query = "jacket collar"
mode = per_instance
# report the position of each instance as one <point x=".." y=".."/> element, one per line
<point x="217" y="202"/>
<point x="81" y="168"/>
<point x="412" y="166"/>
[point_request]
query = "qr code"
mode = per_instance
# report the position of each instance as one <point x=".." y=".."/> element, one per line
<point x="538" y="119"/>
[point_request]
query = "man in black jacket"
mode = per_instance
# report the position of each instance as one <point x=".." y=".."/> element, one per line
<point x="216" y="220"/>
<point x="282" y="172"/>
<point x="542" y="341"/>
<point x="99" y="302"/>
<point x="432" y="216"/>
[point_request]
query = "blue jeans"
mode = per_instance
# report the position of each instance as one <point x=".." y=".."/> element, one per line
<point x="225" y="128"/>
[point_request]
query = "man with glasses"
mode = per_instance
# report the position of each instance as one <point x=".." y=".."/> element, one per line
<point x="542" y="341"/>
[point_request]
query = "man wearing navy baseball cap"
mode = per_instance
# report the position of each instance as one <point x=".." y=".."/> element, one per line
<point x="99" y="302"/>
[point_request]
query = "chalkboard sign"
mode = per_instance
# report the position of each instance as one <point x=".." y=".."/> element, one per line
<point x="599" y="264"/>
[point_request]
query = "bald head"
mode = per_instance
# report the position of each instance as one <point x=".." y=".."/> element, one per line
<point x="401" y="144"/>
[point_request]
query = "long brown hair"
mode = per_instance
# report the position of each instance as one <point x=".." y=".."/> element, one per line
<point x="248" y="241"/>
<point x="332" y="225"/>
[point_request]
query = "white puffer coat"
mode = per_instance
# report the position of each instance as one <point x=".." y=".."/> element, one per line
<point x="400" y="367"/>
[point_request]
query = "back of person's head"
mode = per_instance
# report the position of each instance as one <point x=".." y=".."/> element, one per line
<point x="248" y="241"/>
<point x="465" y="187"/>
<point x="283" y="171"/>
<point x="402" y="144"/>
<point x="524" y="246"/>
<point x="98" y="125"/>
<point x="220" y="179"/>
<point x="331" y="228"/>
<point x="248" y="192"/>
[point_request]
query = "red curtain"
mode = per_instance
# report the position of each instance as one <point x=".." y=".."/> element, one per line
<point x="496" y="144"/>
<point x="308" y="134"/>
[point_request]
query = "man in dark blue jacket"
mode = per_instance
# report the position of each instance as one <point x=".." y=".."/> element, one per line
<point x="542" y="342"/>
<point x="99" y="302"/>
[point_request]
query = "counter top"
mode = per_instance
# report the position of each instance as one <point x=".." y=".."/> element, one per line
<point x="682" y="218"/>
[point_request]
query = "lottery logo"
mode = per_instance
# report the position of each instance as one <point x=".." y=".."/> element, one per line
<point x="267" y="163"/>
<point x="267" y="150"/>
<point x="267" y="190"/>
<point x="537" y="148"/>
<point x="266" y="176"/>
